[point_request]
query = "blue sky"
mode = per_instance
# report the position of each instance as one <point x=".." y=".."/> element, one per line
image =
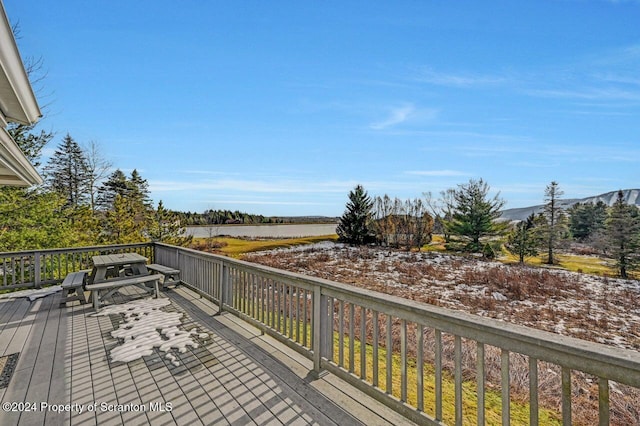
<point x="281" y="108"/>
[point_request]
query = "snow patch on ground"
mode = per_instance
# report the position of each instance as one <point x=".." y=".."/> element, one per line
<point x="146" y="326"/>
<point x="32" y="294"/>
<point x="591" y="307"/>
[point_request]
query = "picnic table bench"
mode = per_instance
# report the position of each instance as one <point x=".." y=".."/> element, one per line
<point x="113" y="285"/>
<point x="171" y="275"/>
<point x="73" y="283"/>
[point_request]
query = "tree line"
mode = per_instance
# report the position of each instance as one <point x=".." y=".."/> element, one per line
<point x="82" y="202"/>
<point x="222" y="217"/>
<point x="469" y="220"/>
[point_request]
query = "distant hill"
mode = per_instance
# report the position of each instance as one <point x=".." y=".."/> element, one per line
<point x="631" y="196"/>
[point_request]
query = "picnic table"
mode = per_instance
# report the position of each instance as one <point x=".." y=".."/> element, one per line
<point x="117" y="265"/>
<point x="113" y="271"/>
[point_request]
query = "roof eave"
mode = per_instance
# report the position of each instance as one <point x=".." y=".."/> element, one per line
<point x="22" y="107"/>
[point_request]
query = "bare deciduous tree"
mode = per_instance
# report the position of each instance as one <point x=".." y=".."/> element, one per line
<point x="98" y="168"/>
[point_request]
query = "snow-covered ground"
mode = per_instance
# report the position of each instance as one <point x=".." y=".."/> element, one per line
<point x="590" y="307"/>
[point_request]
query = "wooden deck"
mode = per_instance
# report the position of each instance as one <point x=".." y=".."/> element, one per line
<point x="239" y="377"/>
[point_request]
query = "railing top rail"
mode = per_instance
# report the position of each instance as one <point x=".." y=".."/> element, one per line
<point x="75" y="249"/>
<point x="618" y="364"/>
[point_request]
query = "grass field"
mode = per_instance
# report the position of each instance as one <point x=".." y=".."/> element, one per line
<point x="236" y="247"/>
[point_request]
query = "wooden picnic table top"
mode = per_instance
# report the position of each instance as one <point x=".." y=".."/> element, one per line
<point x="117" y="259"/>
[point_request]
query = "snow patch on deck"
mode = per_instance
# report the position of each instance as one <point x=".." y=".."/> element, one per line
<point x="32" y="294"/>
<point x="146" y="326"/>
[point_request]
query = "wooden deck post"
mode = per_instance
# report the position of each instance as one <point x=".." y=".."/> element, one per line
<point x="320" y="322"/>
<point x="36" y="270"/>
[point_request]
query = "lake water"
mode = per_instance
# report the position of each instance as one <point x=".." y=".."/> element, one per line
<point x="263" y="231"/>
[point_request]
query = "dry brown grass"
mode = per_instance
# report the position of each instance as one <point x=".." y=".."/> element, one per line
<point x="550" y="300"/>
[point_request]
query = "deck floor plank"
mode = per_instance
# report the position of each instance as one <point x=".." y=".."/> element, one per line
<point x="10" y="323"/>
<point x="235" y="377"/>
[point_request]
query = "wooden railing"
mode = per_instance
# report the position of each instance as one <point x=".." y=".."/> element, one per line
<point x="405" y="353"/>
<point x="45" y="267"/>
<point x="433" y="365"/>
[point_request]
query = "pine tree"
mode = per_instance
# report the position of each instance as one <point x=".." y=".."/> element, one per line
<point x="121" y="224"/>
<point x="622" y="234"/>
<point x="32" y="220"/>
<point x="66" y="173"/>
<point x="555" y="228"/>
<point x="139" y="188"/>
<point x="115" y="184"/>
<point x="166" y="227"/>
<point x="31" y="144"/>
<point x="586" y="220"/>
<point x="522" y="240"/>
<point x="355" y="224"/>
<point x="474" y="214"/>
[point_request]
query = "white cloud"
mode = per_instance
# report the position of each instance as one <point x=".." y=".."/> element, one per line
<point x="403" y="114"/>
<point x="427" y="75"/>
<point x="588" y="93"/>
<point x="253" y="186"/>
<point x="396" y="116"/>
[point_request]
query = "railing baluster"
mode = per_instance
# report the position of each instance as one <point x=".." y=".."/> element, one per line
<point x="279" y="308"/>
<point x="603" y="402"/>
<point x="505" y="383"/>
<point x="566" y="396"/>
<point x="305" y="315"/>
<point x="22" y="280"/>
<point x="341" y="333"/>
<point x="403" y="360"/>
<point x="480" y="373"/>
<point x="376" y="331"/>
<point x="352" y="320"/>
<point x="290" y="311"/>
<point x="245" y="293"/>
<point x="438" y="375"/>
<point x="458" y="378"/>
<point x="298" y="314"/>
<point x="363" y="342"/>
<point x="420" y="366"/>
<point x="4" y="272"/>
<point x="389" y="388"/>
<point x="273" y="303"/>
<point x="533" y="391"/>
<point x="331" y="320"/>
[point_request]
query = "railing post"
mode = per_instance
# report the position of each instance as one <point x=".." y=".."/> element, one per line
<point x="36" y="269"/>
<point x="320" y="341"/>
<point x="224" y="287"/>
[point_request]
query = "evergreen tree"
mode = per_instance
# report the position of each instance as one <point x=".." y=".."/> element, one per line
<point x="32" y="220"/>
<point x="354" y="226"/>
<point x="474" y="214"/>
<point x="167" y="228"/>
<point x="66" y="173"/>
<point x="121" y="224"/>
<point x="555" y="228"/>
<point x="586" y="220"/>
<point x="30" y="143"/>
<point x="115" y="184"/>
<point x="622" y="229"/>
<point x="522" y="240"/>
<point x="139" y="188"/>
